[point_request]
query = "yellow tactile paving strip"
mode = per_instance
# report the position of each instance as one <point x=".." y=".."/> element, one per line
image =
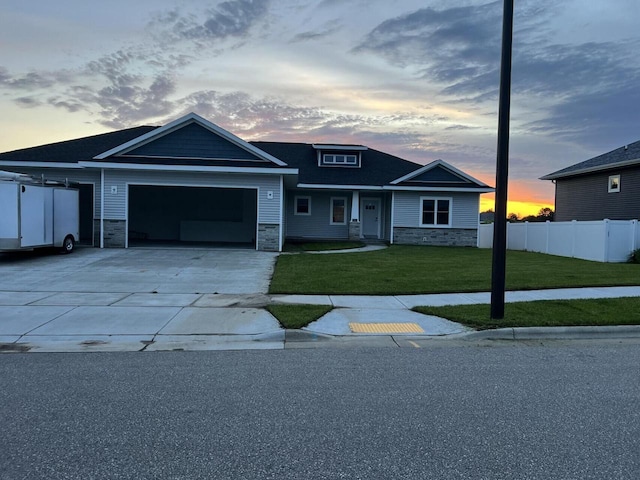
<point x="385" y="327"/>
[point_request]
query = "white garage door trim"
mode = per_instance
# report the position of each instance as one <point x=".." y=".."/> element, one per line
<point x="194" y="185"/>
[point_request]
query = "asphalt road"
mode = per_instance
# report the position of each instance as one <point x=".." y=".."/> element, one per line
<point x="565" y="411"/>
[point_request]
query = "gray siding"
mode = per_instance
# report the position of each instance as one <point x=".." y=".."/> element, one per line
<point x="193" y="141"/>
<point x="318" y="224"/>
<point x="115" y="203"/>
<point x="464" y="214"/>
<point x="587" y="198"/>
<point x="62" y="174"/>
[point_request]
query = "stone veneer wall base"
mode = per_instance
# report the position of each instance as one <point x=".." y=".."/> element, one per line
<point x="462" y="237"/>
<point x="114" y="233"/>
<point x="354" y="231"/>
<point x="268" y="237"/>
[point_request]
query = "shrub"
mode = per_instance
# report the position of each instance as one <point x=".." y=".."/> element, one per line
<point x="635" y="256"/>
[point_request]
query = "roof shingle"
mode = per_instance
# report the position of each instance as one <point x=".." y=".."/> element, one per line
<point x="626" y="155"/>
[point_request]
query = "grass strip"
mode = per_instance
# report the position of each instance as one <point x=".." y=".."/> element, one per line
<point x="402" y="269"/>
<point x="298" y="316"/>
<point x="545" y="313"/>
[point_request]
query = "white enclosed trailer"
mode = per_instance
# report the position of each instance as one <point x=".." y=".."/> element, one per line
<point x="37" y="213"/>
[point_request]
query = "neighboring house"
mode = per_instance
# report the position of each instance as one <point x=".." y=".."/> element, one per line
<point x="487" y="217"/>
<point x="606" y="186"/>
<point x="192" y="181"/>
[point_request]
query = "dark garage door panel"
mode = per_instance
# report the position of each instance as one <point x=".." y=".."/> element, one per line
<point x="192" y="214"/>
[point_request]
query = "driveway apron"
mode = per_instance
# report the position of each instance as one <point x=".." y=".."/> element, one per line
<point x="133" y="293"/>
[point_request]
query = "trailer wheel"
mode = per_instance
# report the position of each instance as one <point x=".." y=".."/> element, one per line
<point x="68" y="244"/>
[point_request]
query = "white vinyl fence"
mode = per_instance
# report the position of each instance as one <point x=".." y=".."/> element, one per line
<point x="601" y="241"/>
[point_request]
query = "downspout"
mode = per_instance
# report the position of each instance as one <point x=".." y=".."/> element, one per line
<point x="102" y="208"/>
<point x="281" y="242"/>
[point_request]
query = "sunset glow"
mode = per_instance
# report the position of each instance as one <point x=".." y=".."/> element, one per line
<point x="415" y="79"/>
<point x="522" y="208"/>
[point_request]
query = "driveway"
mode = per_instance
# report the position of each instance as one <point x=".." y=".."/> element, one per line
<point x="137" y="270"/>
<point x="97" y="298"/>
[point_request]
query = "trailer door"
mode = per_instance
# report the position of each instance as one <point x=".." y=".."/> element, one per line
<point x="33" y="216"/>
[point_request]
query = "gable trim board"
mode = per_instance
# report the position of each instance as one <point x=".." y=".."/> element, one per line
<point x="179" y="166"/>
<point x="595" y="169"/>
<point x="9" y="163"/>
<point x="395" y="188"/>
<point x="188" y="168"/>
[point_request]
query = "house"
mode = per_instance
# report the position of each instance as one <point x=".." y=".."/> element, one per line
<point x="192" y="181"/>
<point x="606" y="186"/>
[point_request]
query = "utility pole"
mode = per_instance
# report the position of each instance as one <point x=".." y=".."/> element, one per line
<point x="498" y="271"/>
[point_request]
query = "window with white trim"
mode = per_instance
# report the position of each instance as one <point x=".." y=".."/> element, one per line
<point x="338" y="211"/>
<point x="435" y="212"/>
<point x="339" y="159"/>
<point x="614" y="183"/>
<point x="302" y="205"/>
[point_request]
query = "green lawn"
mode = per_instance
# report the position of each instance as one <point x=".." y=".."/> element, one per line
<point x="414" y="269"/>
<point x="320" y="246"/>
<point x="297" y="316"/>
<point x="545" y="313"/>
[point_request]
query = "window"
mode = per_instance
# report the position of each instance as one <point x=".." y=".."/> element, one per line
<point x="338" y="211"/>
<point x="341" y="159"/>
<point x="435" y="212"/>
<point x="302" y="206"/>
<point x="614" y="183"/>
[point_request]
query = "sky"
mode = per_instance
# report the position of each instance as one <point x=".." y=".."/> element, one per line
<point x="417" y="79"/>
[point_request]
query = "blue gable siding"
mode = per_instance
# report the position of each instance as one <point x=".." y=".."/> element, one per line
<point x="438" y="174"/>
<point x="193" y="141"/>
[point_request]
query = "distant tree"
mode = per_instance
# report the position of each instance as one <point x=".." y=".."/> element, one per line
<point x="513" y="217"/>
<point x="543" y="215"/>
<point x="546" y="213"/>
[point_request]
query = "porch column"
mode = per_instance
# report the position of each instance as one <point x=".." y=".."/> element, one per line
<point x="354" y="223"/>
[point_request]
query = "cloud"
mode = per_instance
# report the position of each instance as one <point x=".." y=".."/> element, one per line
<point x="32" y="80"/>
<point x="577" y="91"/>
<point x="461" y="127"/>
<point x="233" y="18"/>
<point x="125" y="105"/>
<point x="453" y="43"/>
<point x="69" y="106"/>
<point x="598" y="120"/>
<point x="314" y="34"/>
<point x="27" y="102"/>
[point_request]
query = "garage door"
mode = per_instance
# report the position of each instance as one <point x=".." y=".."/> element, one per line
<point x="173" y="215"/>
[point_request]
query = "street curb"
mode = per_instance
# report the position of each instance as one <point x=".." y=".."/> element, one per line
<point x="294" y="335"/>
<point x="555" y="333"/>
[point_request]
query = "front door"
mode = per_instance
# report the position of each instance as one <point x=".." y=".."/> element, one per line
<point x="371" y="217"/>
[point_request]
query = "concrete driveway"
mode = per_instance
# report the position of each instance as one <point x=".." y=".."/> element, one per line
<point x="95" y="298"/>
<point x="138" y="270"/>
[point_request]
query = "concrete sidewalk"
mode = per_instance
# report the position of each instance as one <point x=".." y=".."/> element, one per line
<point x="62" y="321"/>
<point x="397" y="309"/>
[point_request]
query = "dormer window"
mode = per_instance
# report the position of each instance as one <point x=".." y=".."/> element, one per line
<point x="339" y="155"/>
<point x="339" y="159"/>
